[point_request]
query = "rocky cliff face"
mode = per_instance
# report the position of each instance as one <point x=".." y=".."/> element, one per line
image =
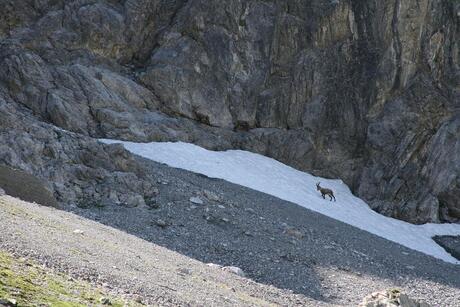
<point x="368" y="91"/>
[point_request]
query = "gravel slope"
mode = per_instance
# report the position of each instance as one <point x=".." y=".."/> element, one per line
<point x="125" y="263"/>
<point x="278" y="244"/>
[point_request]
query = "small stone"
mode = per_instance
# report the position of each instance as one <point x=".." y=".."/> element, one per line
<point x="105" y="301"/>
<point x="135" y="201"/>
<point x="294" y="233"/>
<point x="211" y="195"/>
<point x="226" y="220"/>
<point x="185" y="271"/>
<point x="161" y="223"/>
<point x="8" y="302"/>
<point x="235" y="270"/>
<point x="221" y="207"/>
<point x="152" y="203"/>
<point x="196" y="200"/>
<point x="250" y="210"/>
<point x="78" y="232"/>
<point x="249" y="234"/>
<point x="213" y="265"/>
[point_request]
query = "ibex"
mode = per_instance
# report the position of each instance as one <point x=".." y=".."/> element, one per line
<point x="325" y="192"/>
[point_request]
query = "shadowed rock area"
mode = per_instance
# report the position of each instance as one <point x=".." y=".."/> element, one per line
<point x="450" y="243"/>
<point x="26" y="187"/>
<point x="367" y="91"/>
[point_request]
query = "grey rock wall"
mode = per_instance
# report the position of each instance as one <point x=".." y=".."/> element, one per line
<point x="368" y="91"/>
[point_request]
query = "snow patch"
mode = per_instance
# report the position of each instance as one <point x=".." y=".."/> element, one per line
<point x="272" y="177"/>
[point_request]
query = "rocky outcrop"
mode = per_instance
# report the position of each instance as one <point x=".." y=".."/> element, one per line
<point x="78" y="169"/>
<point x="390" y="298"/>
<point x="363" y="90"/>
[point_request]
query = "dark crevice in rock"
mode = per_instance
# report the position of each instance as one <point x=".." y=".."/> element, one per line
<point x="397" y="45"/>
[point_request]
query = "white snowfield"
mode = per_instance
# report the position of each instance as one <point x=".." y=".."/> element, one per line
<point x="272" y="177"/>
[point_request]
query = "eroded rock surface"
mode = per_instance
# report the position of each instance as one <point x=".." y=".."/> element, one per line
<point x="363" y="90"/>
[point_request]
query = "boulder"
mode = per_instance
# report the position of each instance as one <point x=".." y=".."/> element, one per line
<point x="25" y="186"/>
<point x="390" y="298"/>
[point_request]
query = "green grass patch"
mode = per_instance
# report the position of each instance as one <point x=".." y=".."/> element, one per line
<point x="33" y="285"/>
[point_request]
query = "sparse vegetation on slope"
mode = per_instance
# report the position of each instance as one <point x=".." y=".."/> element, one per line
<point x="25" y="283"/>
